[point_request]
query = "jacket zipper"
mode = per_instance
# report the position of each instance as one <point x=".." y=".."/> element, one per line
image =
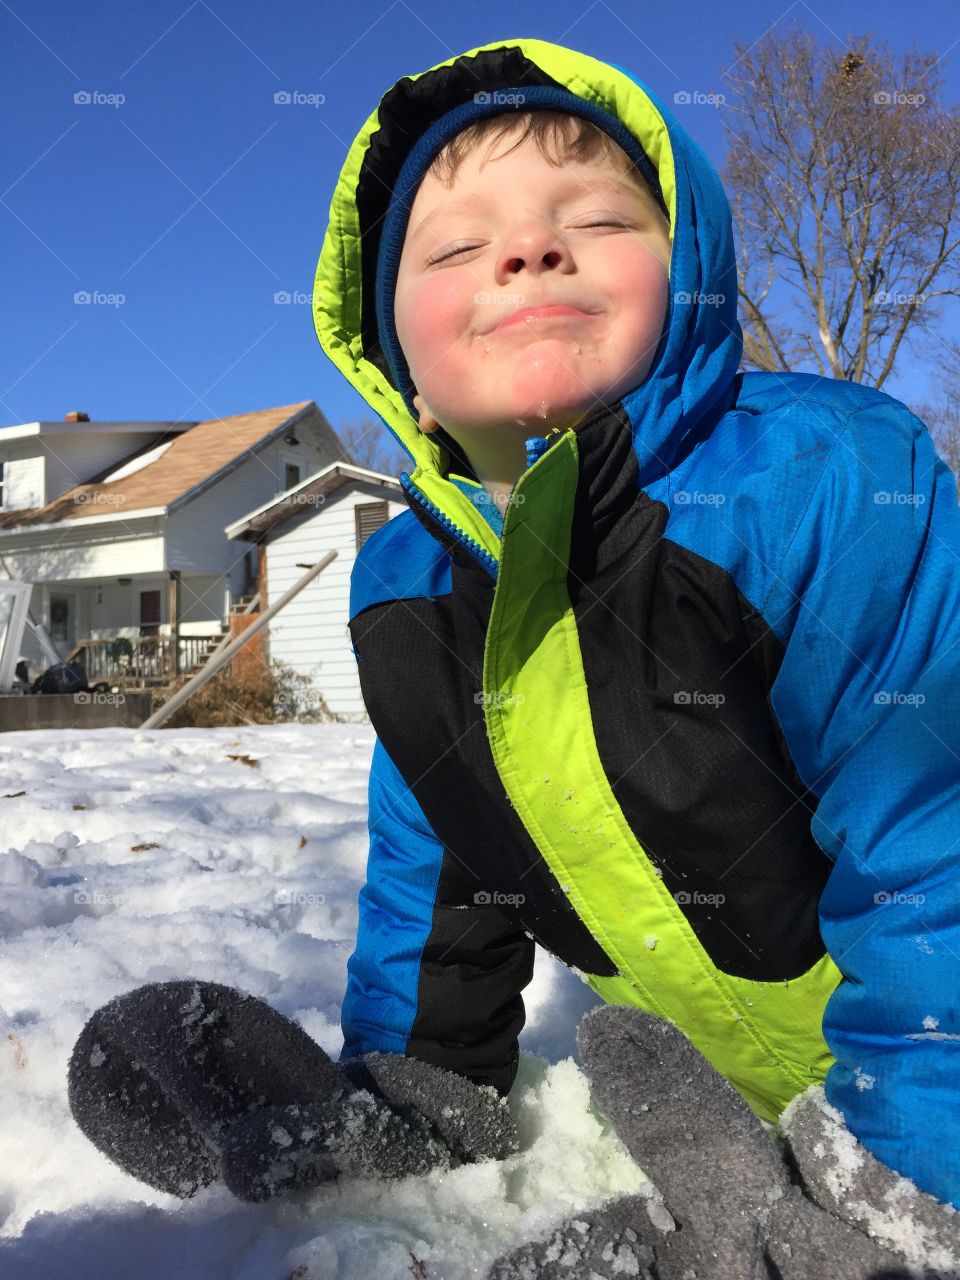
<point x="536" y="447"/>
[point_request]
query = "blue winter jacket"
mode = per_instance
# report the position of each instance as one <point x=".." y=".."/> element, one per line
<point x="689" y="717"/>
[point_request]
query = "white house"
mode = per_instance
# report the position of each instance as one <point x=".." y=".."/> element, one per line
<point x="338" y="508"/>
<point x="119" y="527"/>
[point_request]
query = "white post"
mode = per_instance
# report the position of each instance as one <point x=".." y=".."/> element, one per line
<point x="222" y="656"/>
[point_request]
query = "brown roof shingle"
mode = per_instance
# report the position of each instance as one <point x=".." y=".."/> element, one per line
<point x="193" y="456"/>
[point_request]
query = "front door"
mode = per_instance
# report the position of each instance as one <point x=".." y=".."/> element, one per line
<point x="63" y="619"/>
<point x="149" y="613"/>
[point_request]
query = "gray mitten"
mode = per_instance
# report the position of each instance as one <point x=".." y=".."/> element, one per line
<point x="185" y="1082"/>
<point x="398" y="1117"/>
<point x="729" y="1209"/>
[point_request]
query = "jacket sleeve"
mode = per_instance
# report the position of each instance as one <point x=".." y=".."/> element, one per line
<point x="867" y="600"/>
<point x="435" y="975"/>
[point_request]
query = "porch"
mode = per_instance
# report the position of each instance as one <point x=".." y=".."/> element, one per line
<point x="137" y="631"/>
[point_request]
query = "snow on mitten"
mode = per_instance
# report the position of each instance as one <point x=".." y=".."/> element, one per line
<point x="729" y="1209"/>
<point x="847" y="1181"/>
<point x="473" y="1120"/>
<point x="406" y="1118"/>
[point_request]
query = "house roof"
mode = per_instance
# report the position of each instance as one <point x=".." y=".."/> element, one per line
<point x="310" y="492"/>
<point x="193" y="460"/>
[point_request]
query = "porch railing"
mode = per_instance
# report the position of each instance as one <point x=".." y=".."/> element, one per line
<point x="143" y="660"/>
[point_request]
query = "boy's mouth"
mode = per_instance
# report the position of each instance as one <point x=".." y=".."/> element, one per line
<point x="532" y="315"/>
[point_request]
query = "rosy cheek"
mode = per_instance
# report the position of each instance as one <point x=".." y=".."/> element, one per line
<point x="435" y="313"/>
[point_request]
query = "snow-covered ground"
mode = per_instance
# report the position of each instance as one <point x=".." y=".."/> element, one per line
<point x="234" y="856"/>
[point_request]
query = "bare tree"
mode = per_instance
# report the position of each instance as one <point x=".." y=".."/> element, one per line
<point x="368" y="443"/>
<point x="844" y="177"/>
<point x="942" y="415"/>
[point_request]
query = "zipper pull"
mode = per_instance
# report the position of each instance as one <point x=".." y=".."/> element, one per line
<point x="536" y="446"/>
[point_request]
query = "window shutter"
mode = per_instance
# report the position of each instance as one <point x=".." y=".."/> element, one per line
<point x="370" y="516"/>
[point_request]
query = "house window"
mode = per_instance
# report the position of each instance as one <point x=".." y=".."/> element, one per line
<point x="291" y="474"/>
<point x="1" y="486"/>
<point x="370" y="516"/>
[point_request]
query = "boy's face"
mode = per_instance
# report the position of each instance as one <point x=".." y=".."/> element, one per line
<point x="515" y="232"/>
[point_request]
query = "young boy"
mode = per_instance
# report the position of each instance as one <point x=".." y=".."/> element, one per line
<point x="662" y="661"/>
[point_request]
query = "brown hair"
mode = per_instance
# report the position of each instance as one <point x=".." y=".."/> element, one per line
<point x="558" y="136"/>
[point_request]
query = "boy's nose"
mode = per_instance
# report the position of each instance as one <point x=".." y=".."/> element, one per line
<point x="536" y="247"/>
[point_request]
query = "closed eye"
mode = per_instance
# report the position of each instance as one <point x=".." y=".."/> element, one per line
<point x="461" y="248"/>
<point x="465" y="248"/>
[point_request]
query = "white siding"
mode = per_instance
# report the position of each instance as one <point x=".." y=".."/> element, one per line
<point x="310" y="634"/>
<point x="74" y="457"/>
<point x="65" y="553"/>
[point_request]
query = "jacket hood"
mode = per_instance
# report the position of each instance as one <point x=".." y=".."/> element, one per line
<point x="691" y="381"/>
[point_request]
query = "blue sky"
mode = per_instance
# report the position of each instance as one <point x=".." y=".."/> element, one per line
<point x="198" y="199"/>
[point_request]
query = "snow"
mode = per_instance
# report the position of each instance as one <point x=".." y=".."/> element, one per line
<point x="137" y="464"/>
<point x="136" y="857"/>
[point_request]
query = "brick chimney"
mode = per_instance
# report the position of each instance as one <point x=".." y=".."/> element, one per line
<point x="76" y="416"/>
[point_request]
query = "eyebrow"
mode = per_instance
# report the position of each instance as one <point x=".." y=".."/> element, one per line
<point x="598" y="185"/>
